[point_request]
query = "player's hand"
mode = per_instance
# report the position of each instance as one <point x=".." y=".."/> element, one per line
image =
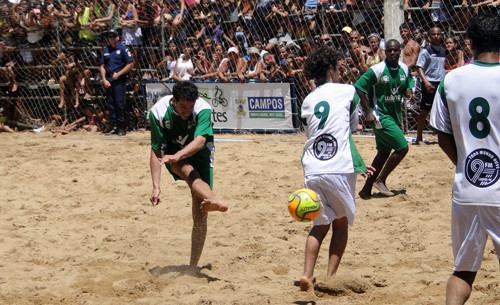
<point x="430" y="88"/>
<point x="155" y="197"/>
<point x="106" y="83"/>
<point x="370" y="170"/>
<point x="168" y="159"/>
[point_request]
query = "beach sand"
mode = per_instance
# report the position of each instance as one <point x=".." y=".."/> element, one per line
<point x="77" y="227"/>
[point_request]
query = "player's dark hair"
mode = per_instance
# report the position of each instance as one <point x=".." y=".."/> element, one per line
<point x="484" y="32"/>
<point x="185" y="90"/>
<point x="318" y="63"/>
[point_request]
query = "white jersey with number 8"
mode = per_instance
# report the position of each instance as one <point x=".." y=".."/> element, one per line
<point x="469" y="109"/>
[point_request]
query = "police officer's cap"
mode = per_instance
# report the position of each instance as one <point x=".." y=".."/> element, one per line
<point x="113" y="33"/>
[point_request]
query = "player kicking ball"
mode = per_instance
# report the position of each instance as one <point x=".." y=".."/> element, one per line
<point x="331" y="160"/>
<point x="182" y="128"/>
<point x="466" y="115"/>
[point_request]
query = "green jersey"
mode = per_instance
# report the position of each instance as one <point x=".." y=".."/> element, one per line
<point x="171" y="133"/>
<point x="385" y="88"/>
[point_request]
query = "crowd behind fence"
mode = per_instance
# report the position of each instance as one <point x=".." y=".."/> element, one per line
<point x="51" y="49"/>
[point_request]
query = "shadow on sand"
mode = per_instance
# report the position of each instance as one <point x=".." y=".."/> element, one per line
<point x="184" y="270"/>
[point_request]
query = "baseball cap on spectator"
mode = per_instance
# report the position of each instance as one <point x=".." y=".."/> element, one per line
<point x="347" y="29"/>
<point x="253" y="50"/>
<point x="233" y="49"/>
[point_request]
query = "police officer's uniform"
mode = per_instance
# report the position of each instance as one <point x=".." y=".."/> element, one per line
<point x="114" y="60"/>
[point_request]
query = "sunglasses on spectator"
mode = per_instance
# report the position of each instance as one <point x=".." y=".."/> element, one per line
<point x="325" y="39"/>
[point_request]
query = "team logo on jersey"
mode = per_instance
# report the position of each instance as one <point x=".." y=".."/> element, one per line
<point x="167" y="124"/>
<point x="384" y="79"/>
<point x="482" y="167"/>
<point x="325" y="147"/>
<point x="118" y="52"/>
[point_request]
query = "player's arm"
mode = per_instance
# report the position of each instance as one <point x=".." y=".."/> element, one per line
<point x="447" y="144"/>
<point x="192" y="148"/>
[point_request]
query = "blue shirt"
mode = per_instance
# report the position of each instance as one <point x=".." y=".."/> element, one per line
<point x="115" y="59"/>
<point x="431" y="59"/>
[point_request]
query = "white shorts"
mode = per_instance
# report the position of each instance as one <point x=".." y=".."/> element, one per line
<point x="337" y="193"/>
<point x="470" y="227"/>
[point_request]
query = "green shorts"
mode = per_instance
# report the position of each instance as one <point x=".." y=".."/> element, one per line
<point x="390" y="136"/>
<point x="204" y="169"/>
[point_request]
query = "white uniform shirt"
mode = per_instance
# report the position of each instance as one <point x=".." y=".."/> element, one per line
<point x="467" y="106"/>
<point x="329" y="114"/>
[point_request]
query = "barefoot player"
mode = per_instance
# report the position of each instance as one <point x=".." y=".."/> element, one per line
<point x="181" y="126"/>
<point x="466" y="115"/>
<point x="331" y="160"/>
<point x="381" y="90"/>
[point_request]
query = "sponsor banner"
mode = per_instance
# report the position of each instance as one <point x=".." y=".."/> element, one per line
<point x="248" y="106"/>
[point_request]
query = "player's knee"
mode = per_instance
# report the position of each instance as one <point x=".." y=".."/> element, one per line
<point x="466" y="276"/>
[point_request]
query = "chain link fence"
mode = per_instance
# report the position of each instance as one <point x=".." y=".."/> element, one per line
<point x="51" y="49"/>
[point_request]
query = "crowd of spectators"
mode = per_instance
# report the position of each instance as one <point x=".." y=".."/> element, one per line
<point x="60" y="41"/>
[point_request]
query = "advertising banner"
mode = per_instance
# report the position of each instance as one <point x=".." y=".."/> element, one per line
<point x="236" y="106"/>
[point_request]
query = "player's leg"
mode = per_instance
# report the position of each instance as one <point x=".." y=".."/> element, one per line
<point x="390" y="138"/>
<point x="313" y="244"/>
<point x="422" y="117"/>
<point x="389" y="166"/>
<point x="337" y="244"/>
<point x="469" y="233"/>
<point x="200" y="188"/>
<point x="459" y="287"/>
<point x="378" y="163"/>
<point x="199" y="232"/>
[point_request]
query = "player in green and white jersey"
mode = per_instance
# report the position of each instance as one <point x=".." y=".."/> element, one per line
<point x="466" y="115"/>
<point x="331" y="160"/>
<point x="381" y="90"/>
<point x="181" y="127"/>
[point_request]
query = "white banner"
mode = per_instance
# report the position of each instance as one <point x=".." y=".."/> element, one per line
<point x="236" y="106"/>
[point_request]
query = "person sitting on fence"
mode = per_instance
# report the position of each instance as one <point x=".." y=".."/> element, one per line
<point x="277" y="20"/>
<point x="184" y="67"/>
<point x="255" y="66"/>
<point x="211" y="30"/>
<point x="166" y="67"/>
<point x="77" y="78"/>
<point x="232" y="66"/>
<point x="454" y="57"/>
<point x="175" y="14"/>
<point x="7" y="66"/>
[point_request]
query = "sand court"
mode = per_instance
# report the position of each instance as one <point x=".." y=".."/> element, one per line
<point x="77" y="227"/>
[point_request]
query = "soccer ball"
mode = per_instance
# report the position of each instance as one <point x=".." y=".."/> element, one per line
<point x="304" y="205"/>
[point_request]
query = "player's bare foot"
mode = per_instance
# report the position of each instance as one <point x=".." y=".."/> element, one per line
<point x="211" y="205"/>
<point x="365" y="194"/>
<point x="382" y="188"/>
<point x="306" y="284"/>
<point x="419" y="142"/>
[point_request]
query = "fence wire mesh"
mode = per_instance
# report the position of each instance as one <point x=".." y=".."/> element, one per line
<point x="51" y="49"/>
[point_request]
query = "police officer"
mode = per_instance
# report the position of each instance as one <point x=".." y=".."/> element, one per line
<point x="116" y="62"/>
